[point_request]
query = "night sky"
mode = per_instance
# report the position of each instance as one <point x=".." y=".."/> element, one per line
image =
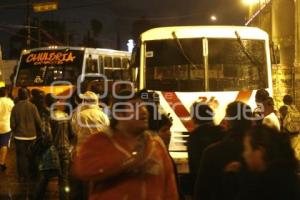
<point x="118" y="15"/>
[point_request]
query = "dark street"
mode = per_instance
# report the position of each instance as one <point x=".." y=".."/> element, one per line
<point x="11" y="189"/>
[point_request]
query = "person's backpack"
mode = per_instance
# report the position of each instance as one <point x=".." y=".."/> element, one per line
<point x="44" y="139"/>
<point x="291" y="122"/>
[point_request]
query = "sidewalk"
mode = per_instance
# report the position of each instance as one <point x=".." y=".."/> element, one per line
<point x="11" y="189"/>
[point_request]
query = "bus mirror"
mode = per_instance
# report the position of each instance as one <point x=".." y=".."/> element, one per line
<point x="275" y="53"/>
<point x="135" y="57"/>
<point x="133" y="74"/>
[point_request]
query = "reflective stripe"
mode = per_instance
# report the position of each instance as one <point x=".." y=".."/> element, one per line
<point x="25" y="138"/>
<point x="179" y="109"/>
<point x="244" y="96"/>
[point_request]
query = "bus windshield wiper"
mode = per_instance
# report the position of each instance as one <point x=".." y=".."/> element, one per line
<point x="182" y="50"/>
<point x="184" y="54"/>
<point x="244" y="50"/>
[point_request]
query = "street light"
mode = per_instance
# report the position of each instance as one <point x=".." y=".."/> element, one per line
<point x="45" y="6"/>
<point x="130" y="45"/>
<point x="251" y="2"/>
<point x="213" y="18"/>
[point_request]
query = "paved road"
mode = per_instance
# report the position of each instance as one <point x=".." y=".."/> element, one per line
<point x="11" y="189"/>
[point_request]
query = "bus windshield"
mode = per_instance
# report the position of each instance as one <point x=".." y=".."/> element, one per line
<point x="229" y="67"/>
<point x="46" y="66"/>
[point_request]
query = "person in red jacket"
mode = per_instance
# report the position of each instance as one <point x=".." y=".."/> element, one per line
<point x="126" y="161"/>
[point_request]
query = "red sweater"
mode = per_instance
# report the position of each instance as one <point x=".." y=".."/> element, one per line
<point x="116" y="172"/>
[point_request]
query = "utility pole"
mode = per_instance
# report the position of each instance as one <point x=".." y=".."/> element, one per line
<point x="39" y="32"/>
<point x="1" y="68"/>
<point x="38" y="8"/>
<point x="0" y="53"/>
<point x="67" y="38"/>
<point x="297" y="52"/>
<point x="28" y="41"/>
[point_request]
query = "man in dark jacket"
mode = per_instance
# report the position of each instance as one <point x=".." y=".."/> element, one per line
<point x="25" y="123"/>
<point x="216" y="177"/>
<point x="204" y="134"/>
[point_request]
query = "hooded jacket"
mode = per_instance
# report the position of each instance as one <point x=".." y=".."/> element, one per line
<point x="115" y="172"/>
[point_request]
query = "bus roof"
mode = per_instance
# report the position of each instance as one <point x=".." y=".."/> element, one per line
<point x="204" y="31"/>
<point x="87" y="50"/>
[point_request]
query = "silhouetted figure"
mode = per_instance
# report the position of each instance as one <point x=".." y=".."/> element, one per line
<point x="204" y="134"/>
<point x="215" y="180"/>
<point x="291" y="123"/>
<point x="25" y="123"/>
<point x="291" y="116"/>
<point x="260" y="96"/>
<point x="62" y="140"/>
<point x="37" y="98"/>
<point x="271" y="160"/>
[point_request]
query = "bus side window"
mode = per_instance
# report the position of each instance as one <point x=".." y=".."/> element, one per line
<point x="108" y="70"/>
<point x="117" y="63"/>
<point x="117" y="72"/>
<point x="125" y="69"/>
<point x="101" y="64"/>
<point x="107" y="62"/>
<point x="91" y="65"/>
<point x="125" y="63"/>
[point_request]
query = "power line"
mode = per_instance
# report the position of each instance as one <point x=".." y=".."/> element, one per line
<point x="22" y="36"/>
<point x="103" y="2"/>
<point x="14" y="5"/>
<point x="161" y="18"/>
<point x="60" y="8"/>
<point x="48" y="35"/>
<point x="18" y="26"/>
<point x="84" y="5"/>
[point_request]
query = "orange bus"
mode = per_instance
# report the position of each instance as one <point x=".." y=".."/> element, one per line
<point x="59" y="70"/>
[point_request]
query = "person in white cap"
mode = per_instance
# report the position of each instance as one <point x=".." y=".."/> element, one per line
<point x="88" y="118"/>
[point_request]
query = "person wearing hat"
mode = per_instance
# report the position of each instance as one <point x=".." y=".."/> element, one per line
<point x="88" y="117"/>
<point x="6" y="105"/>
<point x="2" y="84"/>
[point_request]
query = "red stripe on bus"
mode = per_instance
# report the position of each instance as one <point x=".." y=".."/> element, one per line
<point x="244" y="96"/>
<point x="179" y="109"/>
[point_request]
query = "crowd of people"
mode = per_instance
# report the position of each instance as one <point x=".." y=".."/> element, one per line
<point x="123" y="153"/>
<point x="246" y="157"/>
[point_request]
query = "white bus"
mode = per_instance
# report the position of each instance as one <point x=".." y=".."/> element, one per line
<point x="39" y="68"/>
<point x="214" y="64"/>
